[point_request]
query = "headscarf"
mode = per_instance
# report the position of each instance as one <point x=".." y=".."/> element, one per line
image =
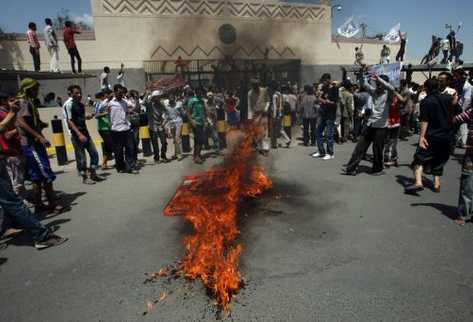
<point x="26" y="84"/>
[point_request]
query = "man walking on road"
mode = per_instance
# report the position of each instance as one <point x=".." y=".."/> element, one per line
<point x="375" y="132"/>
<point x="156" y="118"/>
<point x="12" y="207"/>
<point x="197" y="116"/>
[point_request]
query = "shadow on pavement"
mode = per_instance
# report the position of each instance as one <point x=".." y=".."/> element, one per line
<point x="446" y="210"/>
<point x="3" y="260"/>
<point x="67" y="199"/>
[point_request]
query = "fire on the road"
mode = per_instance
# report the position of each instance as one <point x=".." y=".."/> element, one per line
<point x="209" y="201"/>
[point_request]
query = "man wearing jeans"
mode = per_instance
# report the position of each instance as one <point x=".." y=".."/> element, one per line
<point x="121" y="133"/>
<point x="12" y="208"/>
<point x="156" y="117"/>
<point x="327" y="98"/>
<point x="80" y="137"/>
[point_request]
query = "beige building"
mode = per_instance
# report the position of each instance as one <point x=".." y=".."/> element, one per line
<point x="214" y="36"/>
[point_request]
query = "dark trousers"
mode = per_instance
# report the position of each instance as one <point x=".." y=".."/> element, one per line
<point x="310" y="127"/>
<point x="199" y="138"/>
<point x="135" y="132"/>
<point x="74" y="53"/>
<point x="400" y="55"/>
<point x="81" y="159"/>
<point x="328" y="124"/>
<point x="445" y="57"/>
<point x="371" y="135"/>
<point x="346" y="123"/>
<point x="123" y="149"/>
<point x="161" y="136"/>
<point x="357" y="127"/>
<point x="36" y="59"/>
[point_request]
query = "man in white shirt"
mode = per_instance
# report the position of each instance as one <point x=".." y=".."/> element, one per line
<point x="121" y="133"/>
<point x="445" y="43"/>
<point x="464" y="90"/>
<point x="121" y="75"/>
<point x="104" y="83"/>
<point x="50" y="39"/>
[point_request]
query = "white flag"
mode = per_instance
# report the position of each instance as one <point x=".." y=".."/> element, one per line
<point x="348" y="29"/>
<point x="393" y="35"/>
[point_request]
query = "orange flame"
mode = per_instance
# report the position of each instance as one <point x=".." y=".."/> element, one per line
<point x="210" y="202"/>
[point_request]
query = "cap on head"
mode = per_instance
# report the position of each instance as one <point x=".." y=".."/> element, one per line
<point x="157" y="93"/>
<point x="28" y="83"/>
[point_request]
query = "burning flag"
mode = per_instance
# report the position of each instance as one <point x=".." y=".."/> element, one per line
<point x="209" y="201"/>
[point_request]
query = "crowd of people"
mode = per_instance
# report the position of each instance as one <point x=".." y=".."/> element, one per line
<point x="367" y="110"/>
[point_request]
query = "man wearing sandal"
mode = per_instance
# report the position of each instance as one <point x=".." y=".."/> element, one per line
<point x="34" y="146"/>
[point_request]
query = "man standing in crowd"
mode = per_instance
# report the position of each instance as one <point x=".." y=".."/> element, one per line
<point x="156" y="118"/>
<point x="10" y="144"/>
<point x="81" y="141"/>
<point x="32" y="38"/>
<point x="34" y="146"/>
<point x="327" y="98"/>
<point x="375" y="132"/>
<point x="436" y="132"/>
<point x="69" y="32"/>
<point x="465" y="200"/>
<point x="121" y="75"/>
<point x="11" y="206"/>
<point x="121" y="134"/>
<point x="359" y="56"/>
<point x="309" y="111"/>
<point x="258" y="106"/>
<point x="280" y="103"/>
<point x="50" y="39"/>
<point x="465" y="91"/>
<point x="174" y="124"/>
<point x="347" y="106"/>
<point x="104" y="83"/>
<point x="104" y="124"/>
<point x="196" y="115"/>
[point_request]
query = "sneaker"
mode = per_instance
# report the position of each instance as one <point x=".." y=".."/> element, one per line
<point x="133" y="171"/>
<point x="317" y="155"/>
<point x="88" y="181"/>
<point x="53" y="240"/>
<point x="328" y="157"/>
<point x="288" y="144"/>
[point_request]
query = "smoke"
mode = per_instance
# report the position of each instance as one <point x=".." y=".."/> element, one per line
<point x="85" y="20"/>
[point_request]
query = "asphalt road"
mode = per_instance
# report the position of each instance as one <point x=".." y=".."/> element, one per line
<point x="334" y="248"/>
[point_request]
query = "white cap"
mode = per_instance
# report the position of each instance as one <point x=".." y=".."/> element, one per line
<point x="157" y="93"/>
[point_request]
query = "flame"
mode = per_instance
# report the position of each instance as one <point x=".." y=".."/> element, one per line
<point x="209" y="201"/>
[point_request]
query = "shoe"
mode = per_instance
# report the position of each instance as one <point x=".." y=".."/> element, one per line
<point x="157" y="161"/>
<point x="133" y="171"/>
<point x="198" y="160"/>
<point x="165" y="160"/>
<point x="288" y="144"/>
<point x="377" y="174"/>
<point x="317" y="155"/>
<point x="352" y="173"/>
<point x="436" y="189"/>
<point x="53" y="240"/>
<point x="95" y="177"/>
<point x="413" y="189"/>
<point x="328" y="157"/>
<point x="88" y="181"/>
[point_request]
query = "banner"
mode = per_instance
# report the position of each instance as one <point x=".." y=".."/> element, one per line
<point x="348" y="29"/>
<point x="393" y="71"/>
<point x="393" y="35"/>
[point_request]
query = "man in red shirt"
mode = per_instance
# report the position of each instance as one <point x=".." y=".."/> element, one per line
<point x="10" y="145"/>
<point x="70" y="43"/>
<point x="32" y="38"/>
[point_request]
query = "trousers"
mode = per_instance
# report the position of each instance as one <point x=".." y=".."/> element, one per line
<point x="371" y="135"/>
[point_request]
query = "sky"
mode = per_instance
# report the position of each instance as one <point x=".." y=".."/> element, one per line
<point x="419" y="18"/>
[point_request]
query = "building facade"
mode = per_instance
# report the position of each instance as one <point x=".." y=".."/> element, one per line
<point x="212" y="36"/>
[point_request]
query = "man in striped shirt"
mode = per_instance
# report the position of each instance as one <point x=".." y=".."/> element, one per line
<point x="32" y="38"/>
